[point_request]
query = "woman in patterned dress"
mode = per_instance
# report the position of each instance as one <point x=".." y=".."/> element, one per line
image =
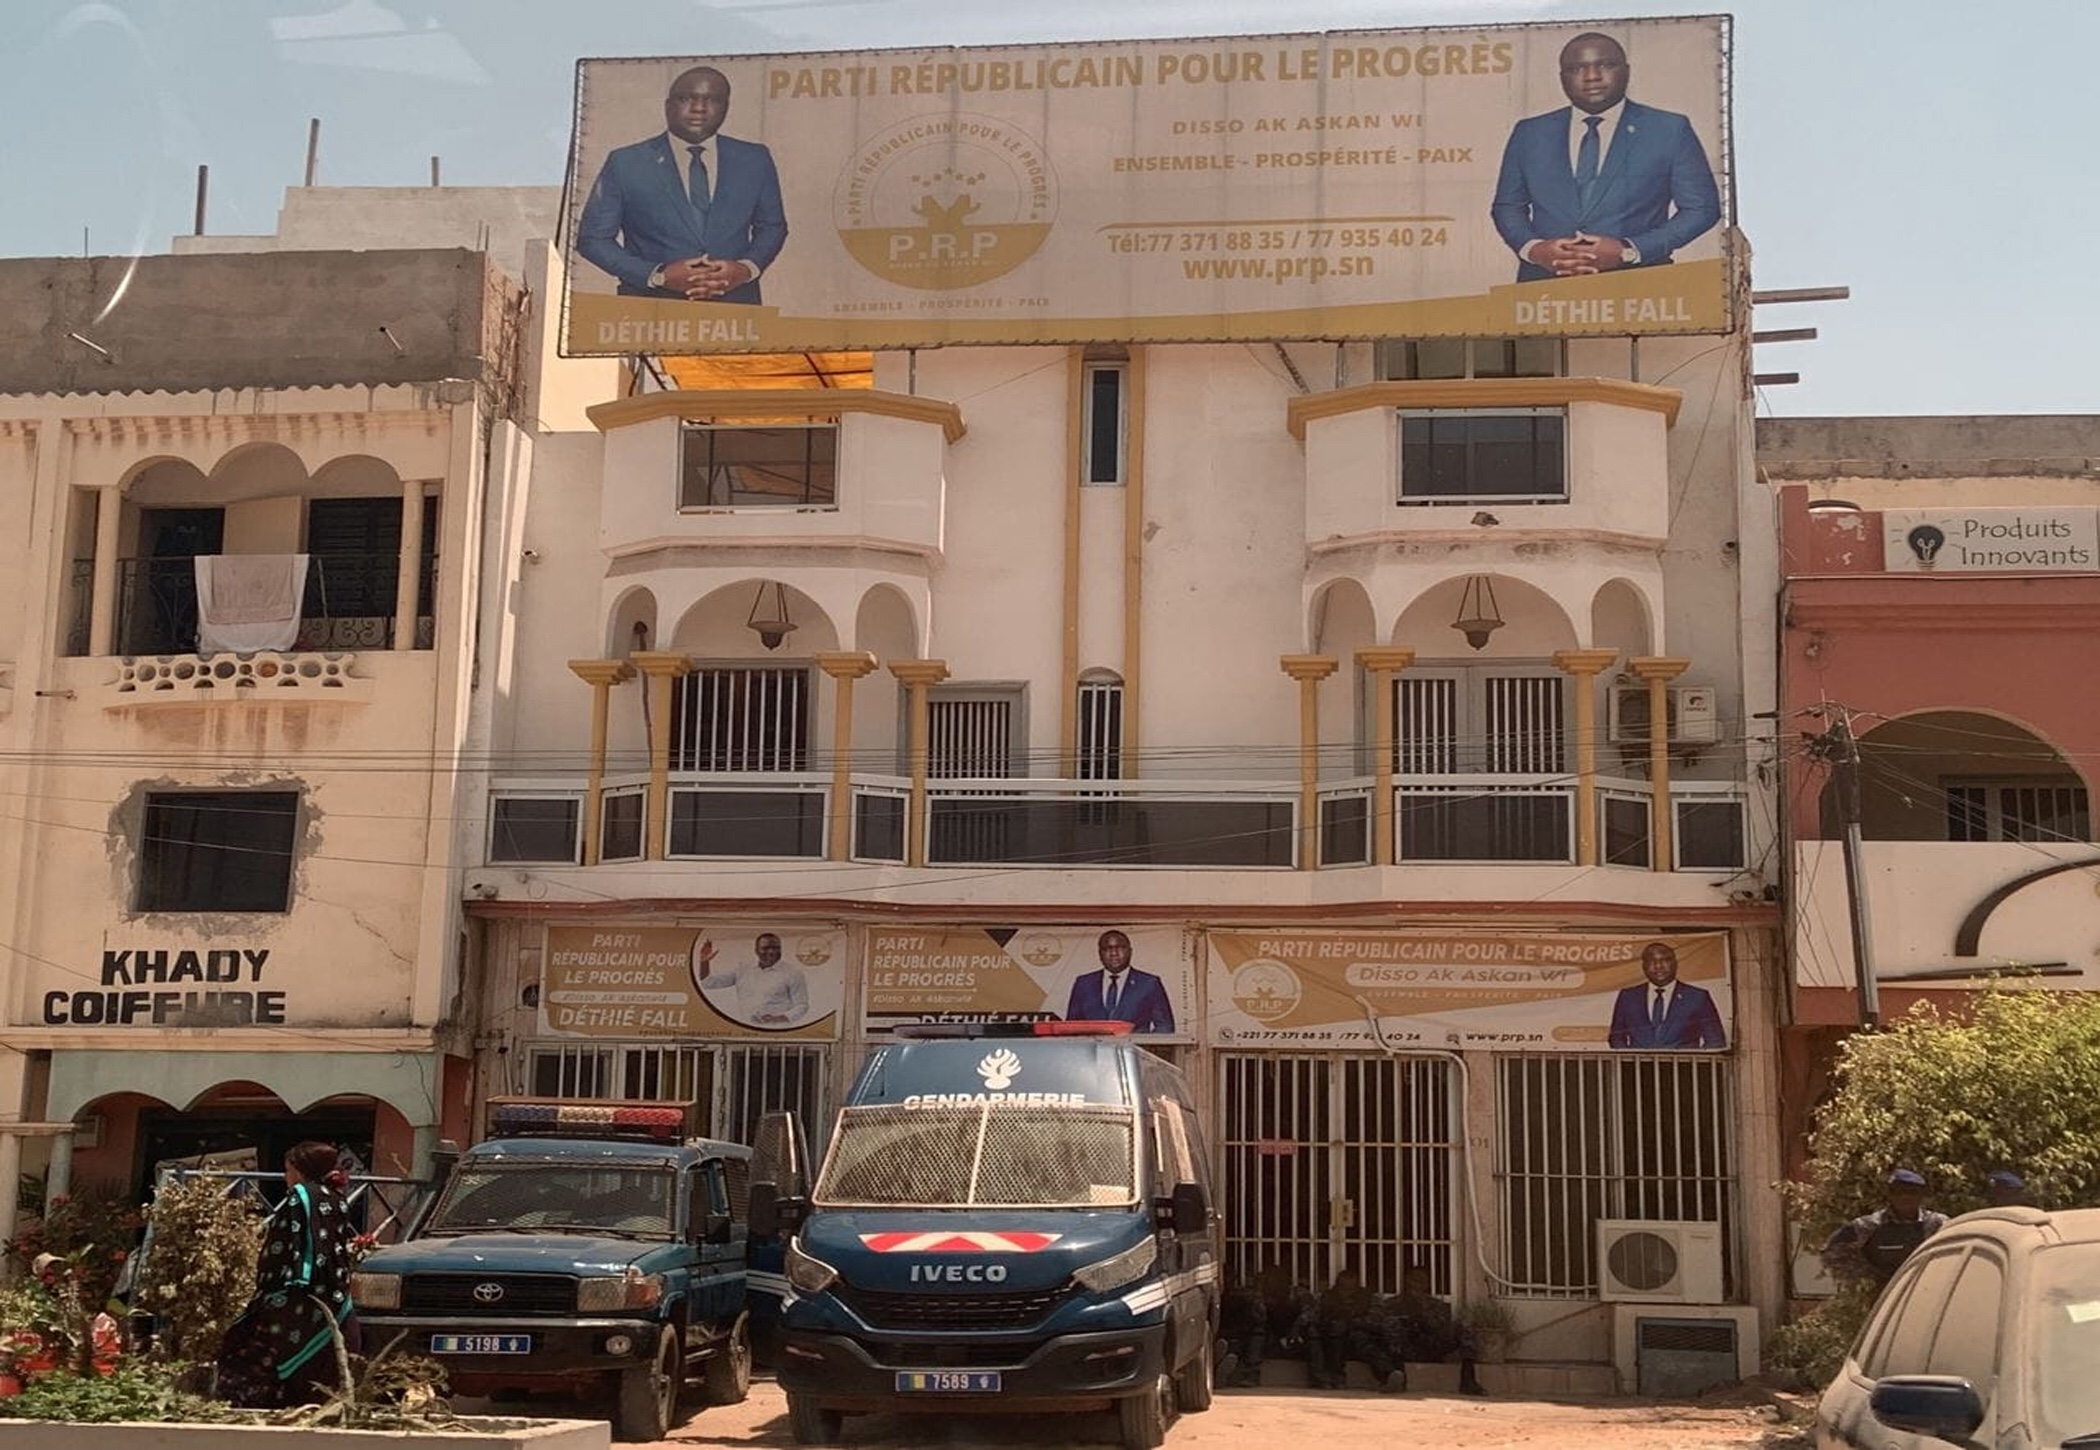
<point x="280" y="1351"/>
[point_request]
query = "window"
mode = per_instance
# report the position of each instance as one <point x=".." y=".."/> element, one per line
<point x="1967" y="1343"/>
<point x="1709" y="835"/>
<point x="1104" y="428"/>
<point x="533" y="828"/>
<point x="1471" y="722"/>
<point x="741" y="718"/>
<point x="1434" y="358"/>
<point x="791" y="466"/>
<point x="1587" y="1138"/>
<point x="1100" y="726"/>
<point x="1905" y="1349"/>
<point x="620" y="826"/>
<point x="1476" y="455"/>
<point x="355" y="544"/>
<point x="218" y="851"/>
<point x="2023" y="810"/>
<point x="974" y="731"/>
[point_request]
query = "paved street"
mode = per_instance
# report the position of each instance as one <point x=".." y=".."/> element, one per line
<point x="1245" y="1419"/>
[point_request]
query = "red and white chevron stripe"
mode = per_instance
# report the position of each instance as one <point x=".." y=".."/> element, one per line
<point x="951" y="1241"/>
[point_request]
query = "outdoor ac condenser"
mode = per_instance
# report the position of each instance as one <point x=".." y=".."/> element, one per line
<point x="1657" y="1261"/>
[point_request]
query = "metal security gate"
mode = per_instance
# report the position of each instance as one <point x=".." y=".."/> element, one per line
<point x="738" y="1084"/>
<point x="1335" y="1162"/>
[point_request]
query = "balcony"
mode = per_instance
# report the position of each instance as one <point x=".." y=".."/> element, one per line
<point x="1116" y="825"/>
<point x="348" y="605"/>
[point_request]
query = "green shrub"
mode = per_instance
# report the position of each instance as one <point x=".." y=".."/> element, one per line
<point x="200" y="1270"/>
<point x="134" y="1390"/>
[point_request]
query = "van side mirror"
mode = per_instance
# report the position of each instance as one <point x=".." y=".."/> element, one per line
<point x="1190" y="1210"/>
<point x="773" y="1212"/>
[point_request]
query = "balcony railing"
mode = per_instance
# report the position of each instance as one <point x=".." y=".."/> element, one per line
<point x="1014" y="822"/>
<point x="348" y="605"/>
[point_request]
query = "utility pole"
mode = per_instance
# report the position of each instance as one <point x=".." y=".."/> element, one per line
<point x="1841" y="748"/>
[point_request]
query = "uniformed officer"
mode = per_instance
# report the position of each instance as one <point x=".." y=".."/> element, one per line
<point x="1874" y="1245"/>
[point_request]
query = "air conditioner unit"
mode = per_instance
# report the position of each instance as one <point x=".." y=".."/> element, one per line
<point x="1656" y="1261"/>
<point x="1694" y="715"/>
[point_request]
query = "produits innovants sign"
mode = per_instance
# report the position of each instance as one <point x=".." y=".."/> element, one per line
<point x="2003" y="540"/>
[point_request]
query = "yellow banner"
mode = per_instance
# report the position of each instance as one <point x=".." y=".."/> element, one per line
<point x="1514" y="991"/>
<point x="1352" y="184"/>
<point x="728" y="979"/>
<point x="1139" y="975"/>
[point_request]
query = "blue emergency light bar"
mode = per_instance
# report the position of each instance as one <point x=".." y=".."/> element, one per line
<point x="923" y="1030"/>
<point x="602" y="1118"/>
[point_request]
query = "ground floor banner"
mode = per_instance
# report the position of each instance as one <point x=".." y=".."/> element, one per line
<point x="1139" y="975"/>
<point x="726" y="979"/>
<point x="1510" y="991"/>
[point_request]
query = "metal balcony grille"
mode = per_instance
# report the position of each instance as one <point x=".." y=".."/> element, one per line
<point x="736" y="718"/>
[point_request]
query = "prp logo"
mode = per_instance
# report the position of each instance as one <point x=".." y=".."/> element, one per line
<point x="1266" y="990"/>
<point x="939" y="202"/>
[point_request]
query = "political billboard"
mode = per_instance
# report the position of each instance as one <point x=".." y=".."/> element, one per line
<point x="1140" y="975"/>
<point x="1505" y="991"/>
<point x="1495" y="181"/>
<point x="723" y="979"/>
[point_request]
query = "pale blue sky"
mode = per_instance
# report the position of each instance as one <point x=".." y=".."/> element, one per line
<point x="1935" y="158"/>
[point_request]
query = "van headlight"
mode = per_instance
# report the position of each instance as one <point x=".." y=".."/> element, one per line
<point x="631" y="1290"/>
<point x="809" y="1274"/>
<point x="1119" y="1269"/>
<point x="375" y="1291"/>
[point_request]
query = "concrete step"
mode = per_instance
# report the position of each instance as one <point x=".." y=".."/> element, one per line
<point x="1519" y="1379"/>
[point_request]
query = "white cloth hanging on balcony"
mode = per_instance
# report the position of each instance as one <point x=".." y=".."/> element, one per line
<point x="247" y="602"/>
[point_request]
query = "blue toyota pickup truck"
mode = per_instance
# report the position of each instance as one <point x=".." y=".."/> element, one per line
<point x="588" y="1247"/>
<point x="1011" y="1223"/>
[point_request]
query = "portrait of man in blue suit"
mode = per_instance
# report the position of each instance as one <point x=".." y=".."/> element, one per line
<point x="690" y="213"/>
<point x="1119" y="992"/>
<point x="1604" y="182"/>
<point x="1664" y="1012"/>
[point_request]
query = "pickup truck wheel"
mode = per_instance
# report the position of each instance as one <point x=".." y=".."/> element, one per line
<point x="1192" y="1382"/>
<point x="810" y="1425"/>
<point x="1144" y="1416"/>
<point x="649" y="1393"/>
<point x="726" y="1378"/>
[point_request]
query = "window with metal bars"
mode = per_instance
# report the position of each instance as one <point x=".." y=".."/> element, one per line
<point x="972" y="732"/>
<point x="741" y="718"/>
<point x="1463" y="722"/>
<point x="1100" y="726"/>
<point x="1590" y="1137"/>
<point x="737" y="1084"/>
<point x="2017" y="810"/>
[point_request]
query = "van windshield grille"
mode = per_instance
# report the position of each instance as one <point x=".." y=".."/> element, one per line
<point x="981" y="1154"/>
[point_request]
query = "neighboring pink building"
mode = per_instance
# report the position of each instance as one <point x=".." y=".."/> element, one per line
<point x="1941" y="595"/>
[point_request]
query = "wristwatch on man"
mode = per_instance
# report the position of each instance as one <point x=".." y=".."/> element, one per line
<point x="1629" y="255"/>
<point x="656" y="276"/>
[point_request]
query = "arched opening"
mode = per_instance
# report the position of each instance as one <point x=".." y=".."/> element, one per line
<point x="1620" y="619"/>
<point x="1962" y="775"/>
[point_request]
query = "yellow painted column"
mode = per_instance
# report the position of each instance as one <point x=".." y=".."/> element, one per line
<point x="1583" y="666"/>
<point x="601" y="676"/>
<point x="917" y="676"/>
<point x="407" y="585"/>
<point x="102" y="609"/>
<point x="1658" y="671"/>
<point x="1380" y="664"/>
<point x="662" y="667"/>
<point x="1133" y="558"/>
<point x="844" y="667"/>
<point x="1308" y="671"/>
<point x="1075" y="478"/>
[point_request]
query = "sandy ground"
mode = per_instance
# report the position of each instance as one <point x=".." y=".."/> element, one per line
<point x="1289" y="1419"/>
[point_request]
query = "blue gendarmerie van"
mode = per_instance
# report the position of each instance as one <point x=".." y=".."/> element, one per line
<point x="1003" y="1221"/>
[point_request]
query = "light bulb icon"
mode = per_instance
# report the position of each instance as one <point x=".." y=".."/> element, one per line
<point x="1925" y="541"/>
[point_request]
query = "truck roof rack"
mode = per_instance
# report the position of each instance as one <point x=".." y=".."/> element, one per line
<point x="924" y="1030"/>
<point x="600" y="1118"/>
